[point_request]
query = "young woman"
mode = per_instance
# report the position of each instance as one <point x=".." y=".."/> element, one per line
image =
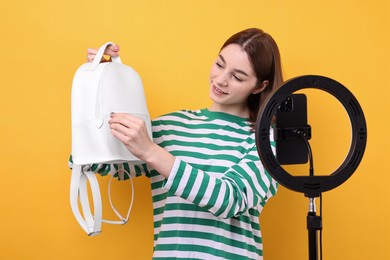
<point x="208" y="183"/>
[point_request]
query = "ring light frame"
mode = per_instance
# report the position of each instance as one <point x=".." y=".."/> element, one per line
<point x="312" y="186"/>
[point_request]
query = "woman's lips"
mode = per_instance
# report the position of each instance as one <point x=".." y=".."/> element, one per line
<point x="219" y="91"/>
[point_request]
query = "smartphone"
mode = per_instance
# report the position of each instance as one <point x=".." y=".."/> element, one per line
<point x="291" y="117"/>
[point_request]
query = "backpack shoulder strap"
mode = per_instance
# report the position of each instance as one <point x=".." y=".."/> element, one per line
<point x="122" y="220"/>
<point x="78" y="188"/>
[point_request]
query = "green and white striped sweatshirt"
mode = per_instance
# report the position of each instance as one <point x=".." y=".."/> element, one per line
<point x="209" y="206"/>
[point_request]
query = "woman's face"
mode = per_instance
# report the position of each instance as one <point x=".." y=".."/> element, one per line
<point x="232" y="80"/>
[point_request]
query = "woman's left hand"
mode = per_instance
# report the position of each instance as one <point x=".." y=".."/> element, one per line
<point x="132" y="132"/>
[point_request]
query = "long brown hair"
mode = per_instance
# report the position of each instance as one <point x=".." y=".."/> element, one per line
<point x="264" y="55"/>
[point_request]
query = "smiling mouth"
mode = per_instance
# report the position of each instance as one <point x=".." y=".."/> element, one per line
<point x="218" y="90"/>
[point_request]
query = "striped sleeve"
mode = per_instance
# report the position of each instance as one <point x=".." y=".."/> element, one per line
<point x="121" y="171"/>
<point x="243" y="186"/>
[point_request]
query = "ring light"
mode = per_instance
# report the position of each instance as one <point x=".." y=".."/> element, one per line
<point x="312" y="186"/>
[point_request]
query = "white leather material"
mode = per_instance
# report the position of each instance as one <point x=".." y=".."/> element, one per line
<point x="99" y="89"/>
<point x="91" y="222"/>
<point x="122" y="220"/>
<point x="96" y="92"/>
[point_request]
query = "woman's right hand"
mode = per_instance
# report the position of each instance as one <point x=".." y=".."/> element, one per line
<point x="111" y="50"/>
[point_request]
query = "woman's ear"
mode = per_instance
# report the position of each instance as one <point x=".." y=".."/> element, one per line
<point x="261" y="87"/>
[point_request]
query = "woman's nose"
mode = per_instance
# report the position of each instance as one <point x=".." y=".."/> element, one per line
<point x="222" y="79"/>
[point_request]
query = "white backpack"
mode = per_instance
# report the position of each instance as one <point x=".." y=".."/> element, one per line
<point x="99" y="89"/>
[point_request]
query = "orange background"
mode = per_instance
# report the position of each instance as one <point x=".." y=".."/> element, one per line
<point x="172" y="45"/>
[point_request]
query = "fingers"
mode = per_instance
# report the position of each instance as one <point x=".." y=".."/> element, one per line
<point x="91" y="54"/>
<point x="111" y="50"/>
<point x="126" y="124"/>
<point x="121" y="132"/>
<point x="132" y="132"/>
<point x="126" y="119"/>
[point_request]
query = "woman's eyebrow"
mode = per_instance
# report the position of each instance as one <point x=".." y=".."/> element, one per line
<point x="236" y="70"/>
<point x="241" y="72"/>
<point x="222" y="58"/>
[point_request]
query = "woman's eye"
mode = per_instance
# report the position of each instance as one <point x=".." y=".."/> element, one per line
<point x="237" y="78"/>
<point x="219" y="65"/>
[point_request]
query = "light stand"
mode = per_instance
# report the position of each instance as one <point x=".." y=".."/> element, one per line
<point x="314" y="224"/>
<point x="313" y="221"/>
<point x="312" y="186"/>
